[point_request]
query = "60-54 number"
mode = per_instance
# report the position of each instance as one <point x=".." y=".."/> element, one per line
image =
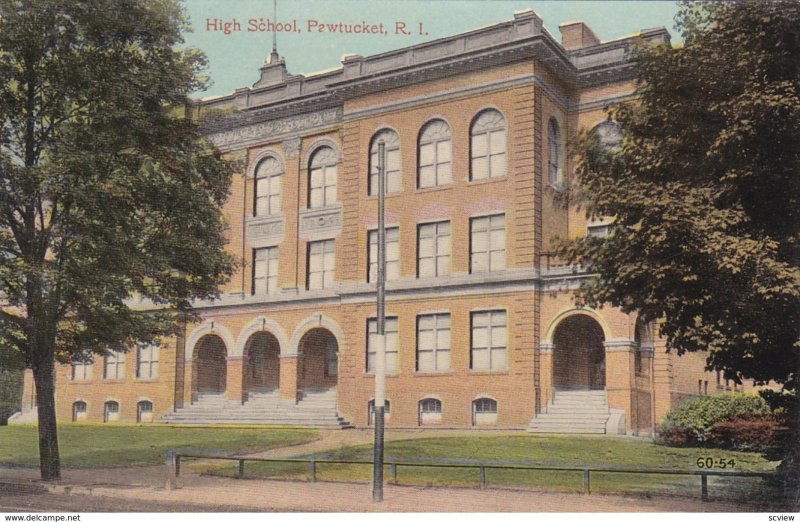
<point x="710" y="462"/>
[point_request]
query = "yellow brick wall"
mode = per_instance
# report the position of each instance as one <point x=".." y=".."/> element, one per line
<point x="127" y="391"/>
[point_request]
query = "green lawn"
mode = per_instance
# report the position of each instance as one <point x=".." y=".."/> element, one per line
<point x="102" y="446"/>
<point x="561" y="450"/>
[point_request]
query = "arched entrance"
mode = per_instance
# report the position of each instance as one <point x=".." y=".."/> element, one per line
<point x="209" y="365"/>
<point x="262" y="363"/>
<point x="318" y="361"/>
<point x="579" y="357"/>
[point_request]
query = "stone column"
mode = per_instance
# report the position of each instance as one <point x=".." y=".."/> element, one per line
<point x="620" y="377"/>
<point x="233" y="379"/>
<point x="288" y="380"/>
<point x="189" y="391"/>
<point x="28" y="391"/>
<point x="546" y="372"/>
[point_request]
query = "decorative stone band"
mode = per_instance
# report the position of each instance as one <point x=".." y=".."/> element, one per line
<point x="291" y="147"/>
<point x="545" y="347"/>
<point x="264" y="231"/>
<point x="286" y="128"/>
<point x="647" y="349"/>
<point x="322" y="223"/>
<point x="619" y="345"/>
<point x="288" y="356"/>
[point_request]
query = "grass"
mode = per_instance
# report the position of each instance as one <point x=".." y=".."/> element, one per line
<point x="531" y="449"/>
<point x="104" y="446"/>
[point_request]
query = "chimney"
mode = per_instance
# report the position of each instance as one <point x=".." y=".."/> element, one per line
<point x="575" y="35"/>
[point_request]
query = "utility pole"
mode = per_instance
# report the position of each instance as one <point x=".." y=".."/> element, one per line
<point x="380" y="348"/>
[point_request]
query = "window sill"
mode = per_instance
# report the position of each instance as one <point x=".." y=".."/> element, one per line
<point x="113" y="381"/>
<point x="435" y="188"/>
<point x="79" y="381"/>
<point x="476" y="182"/>
<point x="371" y="375"/>
<point x="489" y="372"/>
<point x="150" y="379"/>
<point x="427" y="373"/>
<point x="387" y="195"/>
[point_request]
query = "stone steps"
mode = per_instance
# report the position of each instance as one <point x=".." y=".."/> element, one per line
<point x="316" y="409"/>
<point x="574" y="411"/>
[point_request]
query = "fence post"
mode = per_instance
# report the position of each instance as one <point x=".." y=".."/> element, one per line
<point x="240" y="472"/>
<point x="312" y="469"/>
<point x="393" y="472"/>
<point x="171" y="471"/>
<point x="177" y="465"/>
<point x="587" y="486"/>
<point x="704" y="486"/>
<point x="483" y="477"/>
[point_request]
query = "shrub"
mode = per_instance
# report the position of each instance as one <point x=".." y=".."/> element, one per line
<point x="677" y="436"/>
<point x="748" y="432"/>
<point x="696" y="415"/>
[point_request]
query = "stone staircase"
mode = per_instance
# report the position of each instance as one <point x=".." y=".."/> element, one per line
<point x="578" y="411"/>
<point x="317" y="408"/>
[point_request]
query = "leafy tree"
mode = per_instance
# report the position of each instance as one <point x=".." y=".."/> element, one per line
<point x="705" y="193"/>
<point x="105" y="192"/>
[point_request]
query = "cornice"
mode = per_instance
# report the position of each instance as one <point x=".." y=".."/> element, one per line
<point x="522" y="38"/>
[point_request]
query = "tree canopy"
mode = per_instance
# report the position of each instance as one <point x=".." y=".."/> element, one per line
<point x="106" y="191"/>
<point x="704" y="191"/>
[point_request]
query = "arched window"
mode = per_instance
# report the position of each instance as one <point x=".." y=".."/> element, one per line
<point x="78" y="411"/>
<point x="111" y="411"/>
<point x="144" y="411"/>
<point x="484" y="411"/>
<point x="434" y="155"/>
<point x="430" y="411"/>
<point x="387" y="411"/>
<point x="393" y="179"/>
<point x="488" y="146"/>
<point x="267" y="194"/>
<point x="610" y="133"/>
<point x="555" y="168"/>
<point x="322" y="178"/>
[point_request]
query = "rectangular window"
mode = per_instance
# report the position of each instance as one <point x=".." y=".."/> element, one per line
<point x="487" y="244"/>
<point x="391" y="344"/>
<point x="489" y="340"/>
<point x="392" y="255"/>
<point x="114" y="366"/>
<point x="81" y="371"/>
<point x="265" y="271"/>
<point x="321" y="264"/>
<point x="433" y="249"/>
<point x="433" y="343"/>
<point x="147" y="361"/>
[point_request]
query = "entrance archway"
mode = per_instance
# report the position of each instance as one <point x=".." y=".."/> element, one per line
<point x="579" y="357"/>
<point x="262" y="363"/>
<point x="209" y="365"/>
<point x="318" y="361"/>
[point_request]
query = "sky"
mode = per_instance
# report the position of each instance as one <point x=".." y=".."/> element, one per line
<point x="236" y="57"/>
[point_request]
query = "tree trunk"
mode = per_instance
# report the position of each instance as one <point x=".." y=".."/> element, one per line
<point x="49" y="461"/>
